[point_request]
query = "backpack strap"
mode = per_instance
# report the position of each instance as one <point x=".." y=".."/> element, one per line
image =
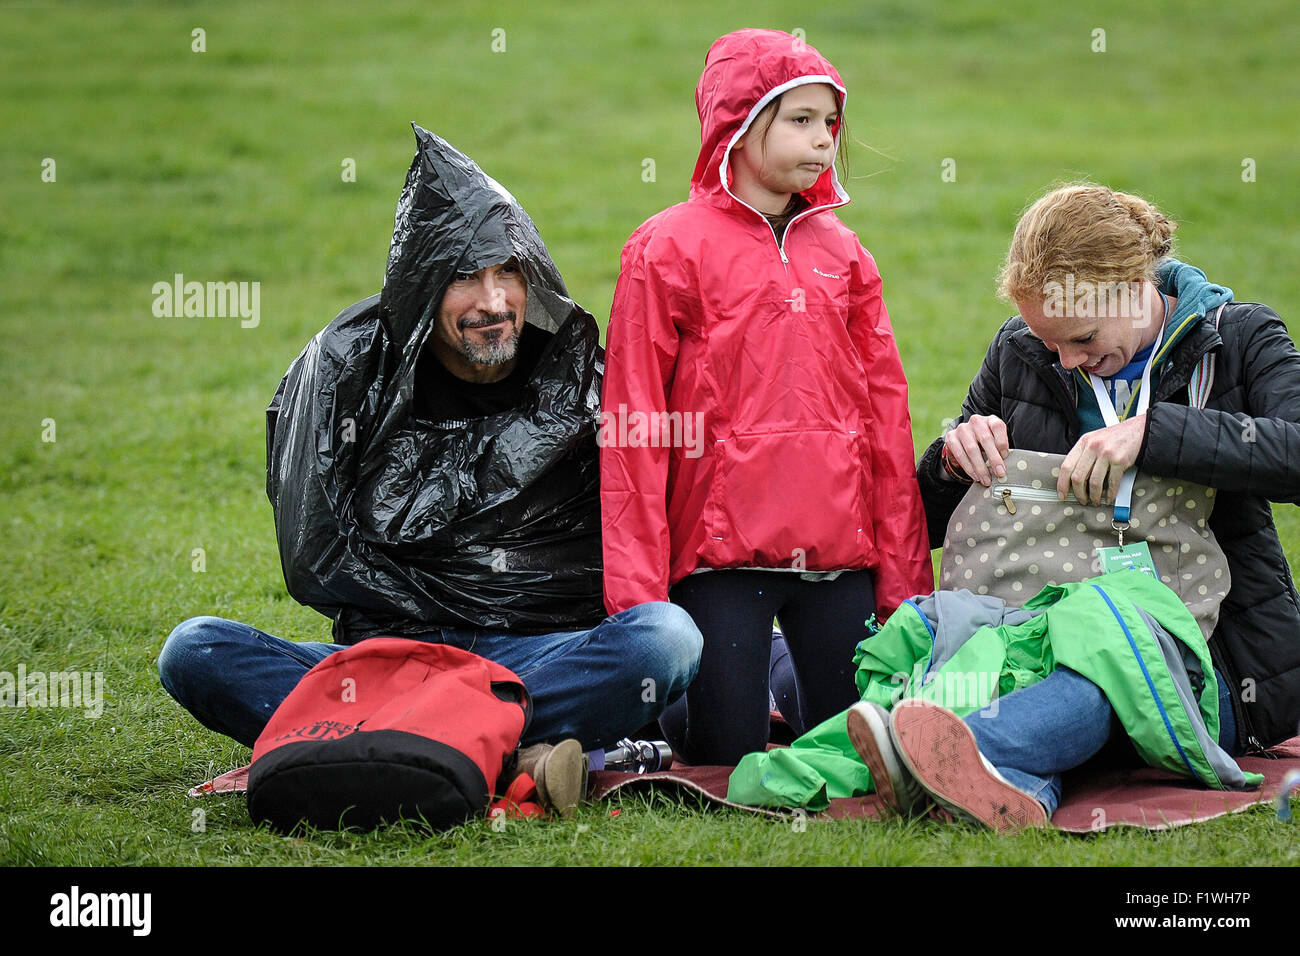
<point x="1202" y="381"/>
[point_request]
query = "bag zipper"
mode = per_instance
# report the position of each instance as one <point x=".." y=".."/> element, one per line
<point x="1029" y="494"/>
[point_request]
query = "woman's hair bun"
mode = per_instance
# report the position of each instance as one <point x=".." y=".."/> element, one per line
<point x="1087" y="231"/>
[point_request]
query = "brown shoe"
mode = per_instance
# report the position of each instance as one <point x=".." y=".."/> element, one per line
<point x="560" y="773"/>
<point x="525" y="759"/>
<point x="940" y="750"/>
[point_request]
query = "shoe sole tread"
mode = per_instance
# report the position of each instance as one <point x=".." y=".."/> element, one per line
<point x="941" y="752"/>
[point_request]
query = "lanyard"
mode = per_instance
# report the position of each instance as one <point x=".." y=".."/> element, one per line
<point x="1124" y="495"/>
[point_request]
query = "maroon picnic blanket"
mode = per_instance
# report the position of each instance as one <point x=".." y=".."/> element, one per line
<point x="1093" y="799"/>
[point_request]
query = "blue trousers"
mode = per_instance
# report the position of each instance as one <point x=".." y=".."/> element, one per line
<point x="1038" y="732"/>
<point x="596" y="685"/>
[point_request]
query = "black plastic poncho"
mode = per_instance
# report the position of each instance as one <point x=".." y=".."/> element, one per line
<point x="392" y="525"/>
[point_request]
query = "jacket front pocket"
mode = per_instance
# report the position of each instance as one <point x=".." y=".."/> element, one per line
<point x="790" y="499"/>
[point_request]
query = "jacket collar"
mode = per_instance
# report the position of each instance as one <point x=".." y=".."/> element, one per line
<point x="1043" y="360"/>
<point x="1175" y="371"/>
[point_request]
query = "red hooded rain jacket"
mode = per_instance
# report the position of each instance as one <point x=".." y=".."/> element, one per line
<point x="754" y="411"/>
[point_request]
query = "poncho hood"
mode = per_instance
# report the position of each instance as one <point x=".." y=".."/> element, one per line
<point x="453" y="217"/>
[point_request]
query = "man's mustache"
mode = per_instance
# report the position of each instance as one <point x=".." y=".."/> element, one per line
<point x="489" y="318"/>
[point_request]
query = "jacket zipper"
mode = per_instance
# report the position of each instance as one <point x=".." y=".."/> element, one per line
<point x="780" y="246"/>
<point x="1170" y="385"/>
<point x="1245" y="732"/>
<point x="1155" y="697"/>
<point x="925" y="675"/>
<point x="1063" y="397"/>
<point x="780" y="243"/>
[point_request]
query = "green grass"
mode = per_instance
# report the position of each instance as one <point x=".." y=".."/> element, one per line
<point x="226" y="165"/>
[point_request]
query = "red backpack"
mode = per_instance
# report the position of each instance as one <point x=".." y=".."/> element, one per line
<point x="388" y="729"/>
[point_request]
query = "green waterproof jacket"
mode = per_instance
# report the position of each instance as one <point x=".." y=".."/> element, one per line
<point x="1126" y="632"/>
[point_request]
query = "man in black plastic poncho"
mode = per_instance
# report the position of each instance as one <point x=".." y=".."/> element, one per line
<point x="432" y="466"/>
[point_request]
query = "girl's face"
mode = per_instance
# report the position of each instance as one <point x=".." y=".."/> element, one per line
<point x="786" y="156"/>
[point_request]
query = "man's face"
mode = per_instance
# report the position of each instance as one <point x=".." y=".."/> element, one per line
<point x="479" y="321"/>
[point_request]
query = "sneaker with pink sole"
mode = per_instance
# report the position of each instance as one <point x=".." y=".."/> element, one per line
<point x="940" y="751"/>
<point x="868" y="725"/>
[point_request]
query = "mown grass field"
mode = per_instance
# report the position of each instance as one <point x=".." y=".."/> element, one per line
<point x="228" y="165"/>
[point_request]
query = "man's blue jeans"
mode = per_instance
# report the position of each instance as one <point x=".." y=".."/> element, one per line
<point x="597" y="685"/>
<point x="1038" y="732"/>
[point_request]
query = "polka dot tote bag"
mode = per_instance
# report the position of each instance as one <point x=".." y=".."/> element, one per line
<point x="1014" y="538"/>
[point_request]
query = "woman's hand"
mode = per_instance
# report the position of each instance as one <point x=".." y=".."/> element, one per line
<point x="1094" y="466"/>
<point x="979" y="446"/>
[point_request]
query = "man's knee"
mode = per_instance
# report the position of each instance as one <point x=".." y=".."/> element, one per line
<point x="186" y="648"/>
<point x="672" y="643"/>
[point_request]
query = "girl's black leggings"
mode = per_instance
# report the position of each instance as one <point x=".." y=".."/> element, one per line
<point x="724" y="713"/>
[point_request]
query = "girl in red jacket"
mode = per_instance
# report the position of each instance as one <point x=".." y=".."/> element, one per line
<point x="757" y="452"/>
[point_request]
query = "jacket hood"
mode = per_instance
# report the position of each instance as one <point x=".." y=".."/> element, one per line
<point x="743" y="72"/>
<point x="953" y="616"/>
<point x="453" y="217"/>
<point x="1197" y="296"/>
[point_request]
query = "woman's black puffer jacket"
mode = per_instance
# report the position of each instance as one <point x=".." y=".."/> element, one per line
<point x="1245" y="443"/>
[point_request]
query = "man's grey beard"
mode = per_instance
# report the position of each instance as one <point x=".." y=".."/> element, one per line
<point x="497" y="352"/>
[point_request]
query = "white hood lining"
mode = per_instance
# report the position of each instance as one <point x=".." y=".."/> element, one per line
<point x="758" y="108"/>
